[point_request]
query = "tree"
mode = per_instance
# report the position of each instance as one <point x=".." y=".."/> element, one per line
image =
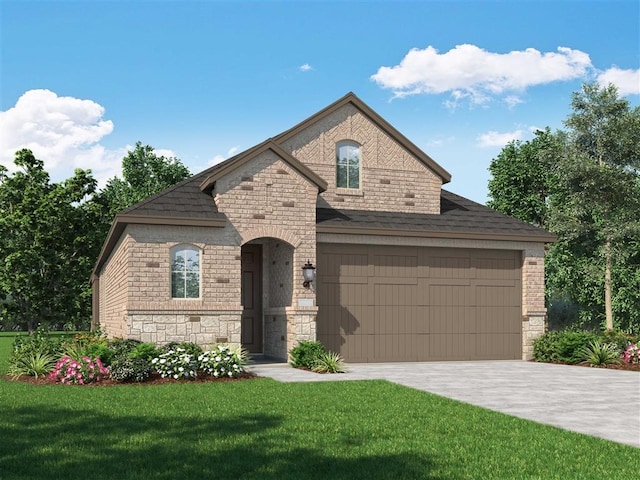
<point x="144" y="174"/>
<point x="43" y="245"/>
<point x="584" y="186"/>
<point x="597" y="204"/>
<point x="522" y="177"/>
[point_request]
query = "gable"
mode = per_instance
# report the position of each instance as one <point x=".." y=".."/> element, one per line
<point x="394" y="175"/>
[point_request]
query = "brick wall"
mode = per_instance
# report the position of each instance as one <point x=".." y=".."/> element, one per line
<point x="114" y="281"/>
<point x="391" y="178"/>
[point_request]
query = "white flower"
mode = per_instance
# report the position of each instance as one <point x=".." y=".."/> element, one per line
<point x="163" y="360"/>
<point x="154" y="361"/>
<point x="181" y="369"/>
<point x="175" y="376"/>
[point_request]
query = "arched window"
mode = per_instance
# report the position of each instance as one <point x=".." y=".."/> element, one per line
<point x="185" y="272"/>
<point x="348" y="165"/>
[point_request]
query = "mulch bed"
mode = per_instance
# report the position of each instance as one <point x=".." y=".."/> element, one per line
<point x="154" y="379"/>
<point x="615" y="366"/>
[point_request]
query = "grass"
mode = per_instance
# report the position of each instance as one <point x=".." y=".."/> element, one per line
<point x="262" y="429"/>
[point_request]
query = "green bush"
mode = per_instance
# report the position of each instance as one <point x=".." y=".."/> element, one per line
<point x="89" y="344"/>
<point x="192" y="349"/>
<point x="619" y="339"/>
<point x="122" y="347"/>
<point x="32" y="354"/>
<point x="306" y="354"/>
<point x="329" y="362"/>
<point x="128" y="369"/>
<point x="565" y="346"/>
<point x="146" y="351"/>
<point x="33" y="364"/>
<point x="600" y="354"/>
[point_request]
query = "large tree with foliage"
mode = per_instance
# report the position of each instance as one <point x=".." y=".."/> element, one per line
<point x="45" y="257"/>
<point x="522" y="177"/>
<point x="596" y="209"/>
<point x="143" y="174"/>
<point x="583" y="185"/>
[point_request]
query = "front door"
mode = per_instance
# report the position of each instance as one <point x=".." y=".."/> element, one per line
<point x="252" y="298"/>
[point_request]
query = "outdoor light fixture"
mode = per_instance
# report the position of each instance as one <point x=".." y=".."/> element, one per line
<point x="308" y="273"/>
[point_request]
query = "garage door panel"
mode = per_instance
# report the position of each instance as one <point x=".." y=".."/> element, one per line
<point x="409" y="303"/>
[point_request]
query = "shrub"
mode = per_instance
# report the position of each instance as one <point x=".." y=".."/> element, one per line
<point x="175" y="363"/>
<point x="32" y="363"/>
<point x="88" y="344"/>
<point x="599" y="354"/>
<point x="619" y="339"/>
<point x="80" y="372"/>
<point x="631" y="354"/>
<point x="221" y="361"/>
<point x="122" y="347"/>
<point x="128" y="369"/>
<point x="329" y="362"/>
<point x="565" y="346"/>
<point x="192" y="349"/>
<point x="32" y="354"/>
<point x="306" y="354"/>
<point x="146" y="351"/>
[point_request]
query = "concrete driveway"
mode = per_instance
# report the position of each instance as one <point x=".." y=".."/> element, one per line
<point x="593" y="401"/>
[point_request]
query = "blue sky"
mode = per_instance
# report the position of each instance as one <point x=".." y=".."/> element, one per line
<point x="83" y="81"/>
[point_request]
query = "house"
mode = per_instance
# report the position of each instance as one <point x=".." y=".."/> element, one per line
<point x="405" y="271"/>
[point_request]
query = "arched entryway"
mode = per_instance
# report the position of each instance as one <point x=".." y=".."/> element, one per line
<point x="267" y="292"/>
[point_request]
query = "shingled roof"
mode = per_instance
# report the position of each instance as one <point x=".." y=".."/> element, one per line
<point x="459" y="218"/>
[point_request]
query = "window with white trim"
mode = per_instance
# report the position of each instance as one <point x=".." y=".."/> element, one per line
<point x="185" y="272"/>
<point x="348" y="165"/>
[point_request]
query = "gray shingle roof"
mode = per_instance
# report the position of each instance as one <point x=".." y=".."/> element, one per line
<point x="459" y="217"/>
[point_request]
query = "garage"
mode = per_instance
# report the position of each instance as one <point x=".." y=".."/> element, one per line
<point x="391" y="303"/>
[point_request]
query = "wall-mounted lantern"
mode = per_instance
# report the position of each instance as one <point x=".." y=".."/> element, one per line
<point x="308" y="274"/>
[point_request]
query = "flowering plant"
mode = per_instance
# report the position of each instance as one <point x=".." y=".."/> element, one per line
<point x="221" y="361"/>
<point x="176" y="363"/>
<point x="631" y="354"/>
<point x="70" y="371"/>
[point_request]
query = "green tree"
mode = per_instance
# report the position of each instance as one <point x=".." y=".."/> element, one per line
<point x="44" y="261"/>
<point x="596" y="208"/>
<point x="143" y="174"/>
<point x="522" y="177"/>
<point x="583" y="185"/>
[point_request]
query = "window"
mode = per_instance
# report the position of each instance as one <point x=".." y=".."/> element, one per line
<point x="185" y="272"/>
<point x="348" y="165"/>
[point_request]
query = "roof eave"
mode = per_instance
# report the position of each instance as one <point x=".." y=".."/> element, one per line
<point x="466" y="235"/>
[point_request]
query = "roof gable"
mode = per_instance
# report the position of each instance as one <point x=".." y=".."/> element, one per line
<point x="390" y="130"/>
<point x="209" y="181"/>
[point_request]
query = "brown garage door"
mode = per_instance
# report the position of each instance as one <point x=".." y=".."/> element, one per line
<point x="382" y="303"/>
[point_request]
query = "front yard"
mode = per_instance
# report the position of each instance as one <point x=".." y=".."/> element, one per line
<point x="262" y="429"/>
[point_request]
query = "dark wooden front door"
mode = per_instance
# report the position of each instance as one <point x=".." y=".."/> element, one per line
<point x="252" y="298"/>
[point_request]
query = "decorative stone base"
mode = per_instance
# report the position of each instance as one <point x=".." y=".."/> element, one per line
<point x="533" y="326"/>
<point x="205" y="330"/>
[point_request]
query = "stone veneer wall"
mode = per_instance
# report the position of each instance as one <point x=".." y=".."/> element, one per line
<point x="206" y="329"/>
<point x="533" y="306"/>
<point x="391" y="178"/>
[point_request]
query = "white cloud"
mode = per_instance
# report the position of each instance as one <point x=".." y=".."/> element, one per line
<point x="305" y="68"/>
<point x="497" y="139"/>
<point x="627" y="81"/>
<point x="162" y="152"/>
<point x="220" y="157"/>
<point x="64" y="132"/>
<point x="473" y="74"/>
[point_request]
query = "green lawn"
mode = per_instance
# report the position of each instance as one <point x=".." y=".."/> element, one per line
<point x="262" y="429"/>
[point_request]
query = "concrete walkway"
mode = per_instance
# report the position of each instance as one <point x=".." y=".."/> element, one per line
<point x="599" y="402"/>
